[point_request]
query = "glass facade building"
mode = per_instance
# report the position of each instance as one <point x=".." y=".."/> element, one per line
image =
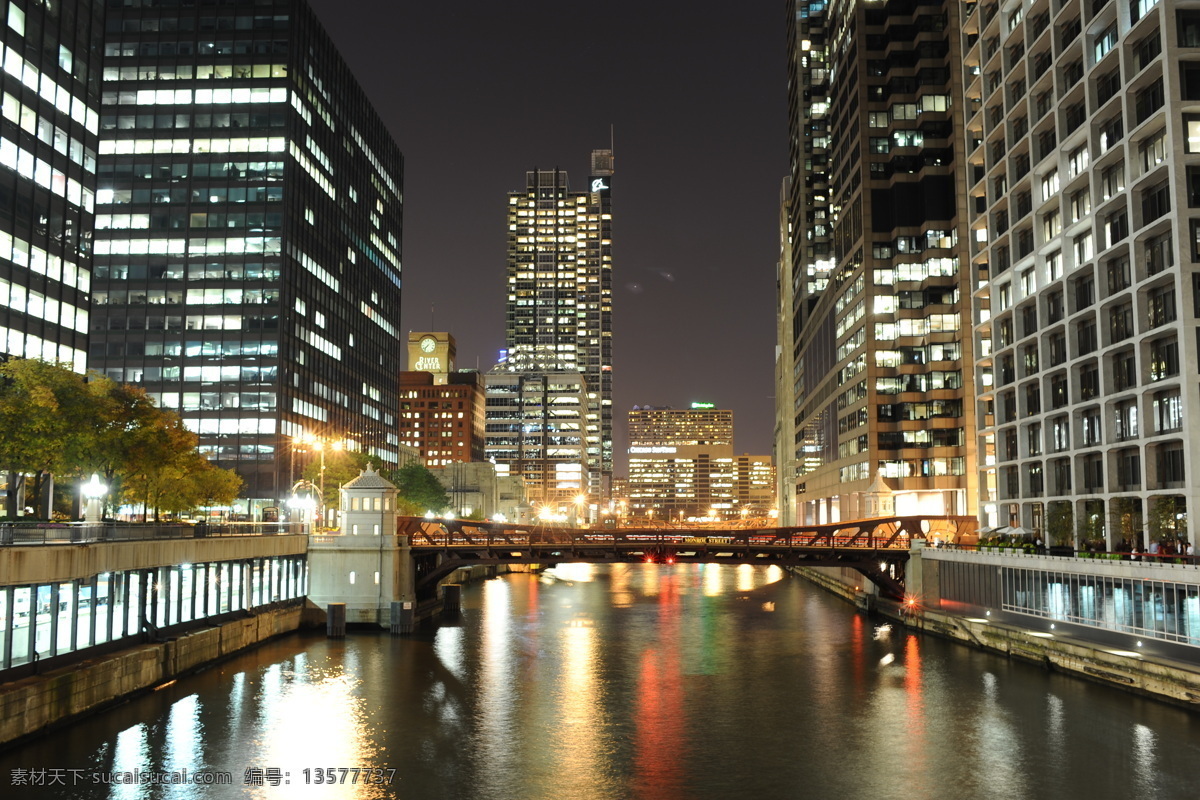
<point x="881" y="347"/>
<point x="248" y="230"/>
<point x="534" y="423"/>
<point x="559" y="310"/>
<point x="50" y="106"/>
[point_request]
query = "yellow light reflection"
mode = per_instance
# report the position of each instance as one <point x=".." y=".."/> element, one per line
<point x="621" y="594"/>
<point x="496" y="719"/>
<point x="650" y="579"/>
<point x="576" y="572"/>
<point x="745" y="578"/>
<point x="580" y="729"/>
<point x="290" y="704"/>
<point x="714" y="582"/>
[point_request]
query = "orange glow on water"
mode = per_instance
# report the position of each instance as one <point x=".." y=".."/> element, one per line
<point x="660" y="720"/>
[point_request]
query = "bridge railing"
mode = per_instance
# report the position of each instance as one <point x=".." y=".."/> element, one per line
<point x="57" y="533"/>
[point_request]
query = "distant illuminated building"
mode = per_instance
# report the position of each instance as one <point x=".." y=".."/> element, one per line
<point x="682" y="464"/>
<point x="535" y="419"/>
<point x="559" y="309"/>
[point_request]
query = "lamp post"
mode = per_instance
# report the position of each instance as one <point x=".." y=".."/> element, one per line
<point x="580" y="508"/>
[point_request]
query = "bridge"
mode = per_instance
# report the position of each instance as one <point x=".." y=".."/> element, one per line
<point x="877" y="548"/>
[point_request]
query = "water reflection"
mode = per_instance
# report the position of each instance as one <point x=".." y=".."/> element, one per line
<point x="642" y="681"/>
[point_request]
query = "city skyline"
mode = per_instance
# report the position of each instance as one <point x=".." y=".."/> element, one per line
<point x="698" y="140"/>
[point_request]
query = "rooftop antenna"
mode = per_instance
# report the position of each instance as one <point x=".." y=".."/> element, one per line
<point x="431" y="325"/>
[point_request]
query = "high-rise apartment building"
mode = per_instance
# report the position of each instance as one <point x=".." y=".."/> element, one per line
<point x="50" y="107"/>
<point x="247" y="254"/>
<point x="559" y="310"/>
<point x="534" y="431"/>
<point x="1083" y="132"/>
<point x="682" y="464"/>
<point x="882" y="353"/>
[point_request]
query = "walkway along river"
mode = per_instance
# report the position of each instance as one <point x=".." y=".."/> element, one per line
<point x="630" y="681"/>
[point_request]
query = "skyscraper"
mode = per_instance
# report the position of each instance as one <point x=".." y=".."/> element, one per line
<point x="882" y="348"/>
<point x="559" y="310"/>
<point x="48" y="142"/>
<point x="248" y="234"/>
<point x="1083" y="131"/>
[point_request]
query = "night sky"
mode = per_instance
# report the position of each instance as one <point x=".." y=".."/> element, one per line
<point x="476" y="93"/>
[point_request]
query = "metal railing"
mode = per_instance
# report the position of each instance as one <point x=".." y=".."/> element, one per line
<point x="57" y="533"/>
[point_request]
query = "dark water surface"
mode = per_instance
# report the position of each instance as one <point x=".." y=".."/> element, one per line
<point x="630" y="681"/>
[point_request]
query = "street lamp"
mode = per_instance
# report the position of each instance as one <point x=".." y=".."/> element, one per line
<point x="580" y="507"/>
<point x="94" y="490"/>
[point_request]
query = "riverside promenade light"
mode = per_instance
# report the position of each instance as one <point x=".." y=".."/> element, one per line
<point x="94" y="490"/>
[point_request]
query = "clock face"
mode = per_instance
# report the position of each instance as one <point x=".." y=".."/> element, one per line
<point x="427" y="344"/>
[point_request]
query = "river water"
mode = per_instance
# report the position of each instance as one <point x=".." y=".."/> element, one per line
<point x="627" y="681"/>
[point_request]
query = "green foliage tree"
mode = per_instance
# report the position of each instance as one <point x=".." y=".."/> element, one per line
<point x="341" y="466"/>
<point x="418" y="491"/>
<point x="53" y="420"/>
<point x="213" y="486"/>
<point x="47" y="413"/>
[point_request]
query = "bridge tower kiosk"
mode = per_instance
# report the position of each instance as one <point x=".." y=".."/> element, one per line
<point x="365" y="565"/>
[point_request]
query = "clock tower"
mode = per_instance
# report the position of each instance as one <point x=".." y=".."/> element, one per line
<point x="431" y="352"/>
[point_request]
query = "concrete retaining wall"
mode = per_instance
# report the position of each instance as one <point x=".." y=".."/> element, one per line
<point x="65" y="562"/>
<point x="1174" y="682"/>
<point x="31" y="705"/>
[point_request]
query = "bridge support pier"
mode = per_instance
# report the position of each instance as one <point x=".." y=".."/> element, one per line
<point x="451" y="598"/>
<point x="404" y="609"/>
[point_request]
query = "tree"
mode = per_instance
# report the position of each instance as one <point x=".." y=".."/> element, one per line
<point x="213" y="486"/>
<point x="47" y="413"/>
<point x="1126" y="515"/>
<point x="163" y="455"/>
<point x="341" y="466"/>
<point x="419" y="490"/>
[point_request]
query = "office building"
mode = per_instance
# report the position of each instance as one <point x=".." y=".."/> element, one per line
<point x="881" y="352"/>
<point x="444" y="421"/>
<point x="248" y="228"/>
<point x="1083" y="131"/>
<point x="534" y="430"/>
<point x="48" y="143"/>
<point x="559" y="309"/>
<point x="682" y="465"/>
